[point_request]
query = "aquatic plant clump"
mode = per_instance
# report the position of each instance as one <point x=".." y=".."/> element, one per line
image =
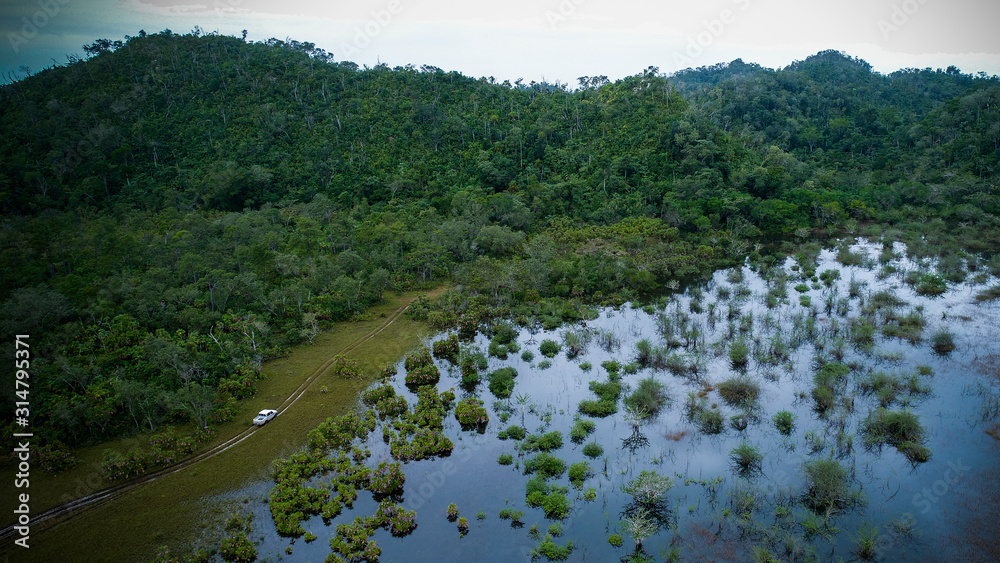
<point x="608" y="393"/>
<point x="447" y="349"/>
<point x="423" y="375"/>
<point x="544" y="465"/>
<point x="739" y="392"/>
<point x="579" y="472"/>
<point x="502" y="382"/>
<point x="470" y="412"/>
<point x="784" y="421"/>
<point x="593" y="450"/>
<point x="943" y="341"/>
<point x="648" y="398"/>
<point x="386" y="479"/>
<point x="581" y="430"/>
<point x="746" y="458"/>
<point x="826" y="485"/>
<point x="649" y="488"/>
<point x="513" y="432"/>
<point x="549" y="348"/>
<point x="900" y="429"/>
<point x="542" y="442"/>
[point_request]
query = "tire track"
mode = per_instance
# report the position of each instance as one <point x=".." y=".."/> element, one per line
<point x="68" y="510"/>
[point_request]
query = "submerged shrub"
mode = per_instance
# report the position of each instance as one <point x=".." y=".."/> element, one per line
<point x="552" y="551"/>
<point x="649" y="488"/>
<point x="447" y="349"/>
<point x="514" y="432"/>
<point x="739" y="354"/>
<point x="710" y="421"/>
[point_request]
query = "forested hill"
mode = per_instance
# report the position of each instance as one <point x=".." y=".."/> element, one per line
<point x="178" y="208"/>
<point x="213" y="122"/>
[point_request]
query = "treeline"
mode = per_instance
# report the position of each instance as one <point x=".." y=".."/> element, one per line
<point x="179" y="208"/>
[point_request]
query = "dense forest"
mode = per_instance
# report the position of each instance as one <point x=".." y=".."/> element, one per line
<point x="176" y="209"/>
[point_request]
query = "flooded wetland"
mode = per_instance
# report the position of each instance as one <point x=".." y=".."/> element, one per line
<point x="841" y="405"/>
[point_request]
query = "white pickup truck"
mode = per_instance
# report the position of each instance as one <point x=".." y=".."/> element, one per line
<point x="264" y="416"/>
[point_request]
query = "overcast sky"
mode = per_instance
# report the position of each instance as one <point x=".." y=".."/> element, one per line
<point x="535" y="39"/>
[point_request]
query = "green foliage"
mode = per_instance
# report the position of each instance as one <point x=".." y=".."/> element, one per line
<point x="616" y="540"/>
<point x="581" y="430"/>
<point x="784" y="421"/>
<point x="579" y="472"/>
<point x="710" y="421"/>
<point x="502" y="382"/>
<point x="470" y="412"/>
<point x="648" y="488"/>
<point x="739" y="392"/>
<point x="901" y="429"/>
<point x="542" y="442"/>
<point x="943" y="341"/>
<point x="549" y="348"/>
<point x="746" y="458"/>
<point x="544" y="465"/>
<point x="237" y="547"/>
<point x="552" y="551"/>
<point x="608" y="393"/>
<point x="648" y="397"/>
<point x="513" y="432"/>
<point x="739" y="354"/>
<point x="593" y="450"/>
<point x="826" y="485"/>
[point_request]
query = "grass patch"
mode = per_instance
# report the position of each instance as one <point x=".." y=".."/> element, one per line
<point x="746" y="459"/>
<point x="989" y="294"/>
<point x="739" y="392"/>
<point x="900" y="429"/>
<point x="826" y="486"/>
<point x="943" y="341"/>
<point x="648" y="398"/>
<point x="784" y="421"/>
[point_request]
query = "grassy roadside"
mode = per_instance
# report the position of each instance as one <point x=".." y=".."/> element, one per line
<point x="170" y="510"/>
